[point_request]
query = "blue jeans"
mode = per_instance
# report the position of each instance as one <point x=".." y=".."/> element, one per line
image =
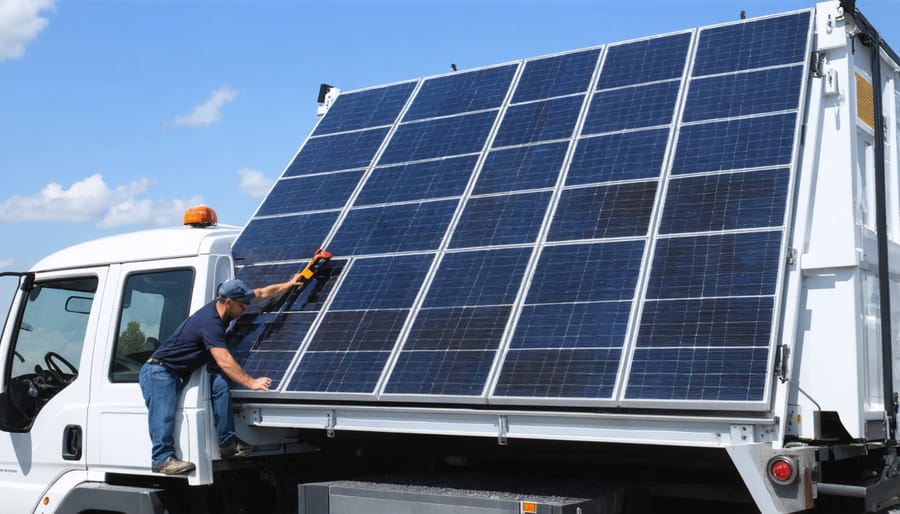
<point x="221" y="406"/>
<point x="160" y="388"/>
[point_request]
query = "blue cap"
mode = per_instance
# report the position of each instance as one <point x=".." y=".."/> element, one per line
<point x="236" y="289"/>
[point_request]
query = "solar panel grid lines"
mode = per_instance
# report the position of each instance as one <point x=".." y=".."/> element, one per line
<point x="471" y="390"/>
<point x="583" y="384"/>
<point x="287" y="369"/>
<point x="291" y="367"/>
<point x="505" y="370"/>
<point x="396" y="382"/>
<point x="733" y="206"/>
<point x="355" y="111"/>
<point x="495" y="374"/>
<point x="311" y="224"/>
<point x="351" y="200"/>
<point x="602" y="227"/>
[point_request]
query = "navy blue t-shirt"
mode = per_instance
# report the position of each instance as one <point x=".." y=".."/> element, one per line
<point x="188" y="347"/>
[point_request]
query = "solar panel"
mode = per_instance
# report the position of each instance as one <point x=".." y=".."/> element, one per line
<point x="598" y="227"/>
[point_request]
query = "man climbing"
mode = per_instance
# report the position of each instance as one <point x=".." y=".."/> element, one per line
<point x="199" y="340"/>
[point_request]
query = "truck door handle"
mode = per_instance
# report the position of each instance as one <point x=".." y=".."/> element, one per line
<point x="71" y="445"/>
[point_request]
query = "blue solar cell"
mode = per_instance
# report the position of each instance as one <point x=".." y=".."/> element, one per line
<point x="310" y="299"/>
<point x="431" y="179"/>
<point x="708" y="374"/>
<point x="483" y="277"/>
<point x="741" y="94"/>
<point x="285" y="332"/>
<point x="358" y="331"/>
<point x="253" y="345"/>
<point x="461" y="92"/>
<point x="282" y="239"/>
<point x="514" y="169"/>
<point x="314" y="193"/>
<point x="572" y="325"/>
<point x="439" y="138"/>
<point x="720" y="265"/>
<point x="363" y="109"/>
<point x="320" y="288"/>
<point x="586" y="272"/>
<point x="649" y="60"/>
<point x="557" y="373"/>
<point x="260" y="275"/>
<point x="618" y="210"/>
<point x="713" y="322"/>
<point x="338" y="152"/>
<point x="631" y="107"/>
<point x="736" y="144"/>
<point x="727" y="201"/>
<point x="397" y="228"/>
<point x="539" y="121"/>
<point x="499" y="220"/>
<point x="752" y="44"/>
<point x="458" y="328"/>
<point x="382" y="283"/>
<point x="627" y="156"/>
<point x="267" y="364"/>
<point x="556" y="76"/>
<point x="441" y="373"/>
<point x="344" y="372"/>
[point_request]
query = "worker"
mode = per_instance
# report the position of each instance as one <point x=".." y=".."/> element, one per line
<point x="200" y="339"/>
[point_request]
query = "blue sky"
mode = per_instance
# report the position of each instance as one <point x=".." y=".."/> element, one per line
<point x="115" y="115"/>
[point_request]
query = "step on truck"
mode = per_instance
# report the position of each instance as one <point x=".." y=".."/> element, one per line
<point x="656" y="275"/>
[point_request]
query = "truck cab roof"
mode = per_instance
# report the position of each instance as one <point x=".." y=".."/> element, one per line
<point x="145" y="245"/>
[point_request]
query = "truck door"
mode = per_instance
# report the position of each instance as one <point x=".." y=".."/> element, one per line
<point x="44" y="394"/>
<point x="154" y="299"/>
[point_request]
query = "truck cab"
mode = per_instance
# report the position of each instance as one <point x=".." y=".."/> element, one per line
<point x="81" y="325"/>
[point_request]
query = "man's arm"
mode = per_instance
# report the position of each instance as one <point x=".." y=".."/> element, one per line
<point x="270" y="291"/>
<point x="233" y="370"/>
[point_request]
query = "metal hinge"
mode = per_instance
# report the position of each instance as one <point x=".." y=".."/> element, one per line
<point x="817" y="64"/>
<point x="791" y="256"/>
<point x="502" y="430"/>
<point x="330" y="424"/>
<point x="782" y="352"/>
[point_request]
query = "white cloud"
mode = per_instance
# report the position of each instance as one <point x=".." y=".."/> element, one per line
<point x="20" y="22"/>
<point x="92" y="200"/>
<point x="148" y="212"/>
<point x="254" y="183"/>
<point x="209" y="111"/>
<point x="6" y="263"/>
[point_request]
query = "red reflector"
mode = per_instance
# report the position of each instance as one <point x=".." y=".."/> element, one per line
<point x="781" y="470"/>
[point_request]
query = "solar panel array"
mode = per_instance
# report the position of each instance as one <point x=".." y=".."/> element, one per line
<point x="599" y="227"/>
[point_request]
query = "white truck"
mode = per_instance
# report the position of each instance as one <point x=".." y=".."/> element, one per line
<point x="805" y="419"/>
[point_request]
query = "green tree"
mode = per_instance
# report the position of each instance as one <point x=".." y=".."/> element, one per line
<point x="132" y="339"/>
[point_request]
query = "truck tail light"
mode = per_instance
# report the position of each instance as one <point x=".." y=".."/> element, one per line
<point x="782" y="470"/>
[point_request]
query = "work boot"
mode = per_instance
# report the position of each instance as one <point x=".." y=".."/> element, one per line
<point x="173" y="466"/>
<point x="236" y="448"/>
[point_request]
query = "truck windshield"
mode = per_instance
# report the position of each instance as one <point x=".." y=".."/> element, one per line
<point x="46" y="348"/>
<point x="55" y="320"/>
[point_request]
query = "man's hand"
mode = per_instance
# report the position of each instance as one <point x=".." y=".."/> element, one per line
<point x="261" y="384"/>
<point x="234" y="371"/>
